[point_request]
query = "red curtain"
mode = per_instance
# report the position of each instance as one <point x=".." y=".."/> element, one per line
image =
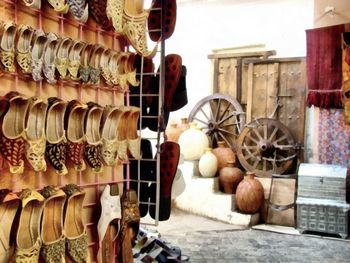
<point x="324" y="66"/>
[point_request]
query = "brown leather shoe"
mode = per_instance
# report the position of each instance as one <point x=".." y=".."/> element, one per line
<point x="97" y="9"/>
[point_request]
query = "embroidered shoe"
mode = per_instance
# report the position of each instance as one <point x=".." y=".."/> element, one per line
<point x="7" y="46"/>
<point x="9" y="203"/>
<point x="33" y="3"/>
<point x="60" y="6"/>
<point x="61" y="61"/>
<point x="79" y="10"/>
<point x="114" y="68"/>
<point x="126" y="71"/>
<point x="74" y="59"/>
<point x="23" y="40"/>
<point x="74" y="228"/>
<point x="52" y="230"/>
<point x="28" y="241"/>
<point x="104" y="65"/>
<point x="84" y="69"/>
<point x="35" y="134"/>
<point x="97" y="9"/>
<point x="93" y="144"/>
<point x="110" y="211"/>
<point x="56" y="142"/>
<point x="94" y="64"/>
<point x="38" y="45"/>
<point x="110" y="121"/>
<point x="134" y="140"/>
<point x="74" y="126"/>
<point x="134" y="27"/>
<point x="122" y="131"/>
<point x="12" y="139"/>
<point x="114" y="11"/>
<point x="49" y="59"/>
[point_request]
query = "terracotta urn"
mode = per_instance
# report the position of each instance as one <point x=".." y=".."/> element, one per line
<point x="173" y="132"/>
<point x="193" y="143"/>
<point x="223" y="154"/>
<point x="208" y="164"/>
<point x="249" y="194"/>
<point x="230" y="177"/>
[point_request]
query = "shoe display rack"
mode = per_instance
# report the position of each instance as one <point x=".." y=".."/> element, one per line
<point x="47" y="20"/>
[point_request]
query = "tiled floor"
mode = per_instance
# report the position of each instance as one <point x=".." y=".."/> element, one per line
<point x="205" y="240"/>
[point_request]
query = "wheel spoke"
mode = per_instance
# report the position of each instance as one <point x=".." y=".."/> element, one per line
<point x="224" y="112"/>
<point x="251" y="155"/>
<point x="265" y="132"/>
<point x="249" y="147"/>
<point x="226" y="131"/>
<point x="217" y="110"/>
<point x="279" y="140"/>
<point x="264" y="165"/>
<point x="252" y="139"/>
<point x="273" y="133"/>
<point x="201" y="121"/>
<point x="211" y="106"/>
<point x="205" y="114"/>
<point x="230" y="124"/>
<point x="224" y="138"/>
<point x="225" y="119"/>
<point x="257" y="134"/>
<point x="256" y="162"/>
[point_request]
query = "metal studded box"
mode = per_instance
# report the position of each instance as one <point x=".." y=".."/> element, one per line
<point x="321" y="199"/>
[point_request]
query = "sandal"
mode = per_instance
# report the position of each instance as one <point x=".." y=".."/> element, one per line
<point x="110" y="211"/>
<point x="35" y="134"/>
<point x="104" y="65"/>
<point x="56" y="142"/>
<point x="74" y="59"/>
<point x="79" y="10"/>
<point x="9" y="203"/>
<point x="33" y="3"/>
<point x="52" y="230"/>
<point x="49" y="67"/>
<point x="74" y="126"/>
<point x="94" y="64"/>
<point x="23" y="40"/>
<point x="97" y="9"/>
<point x="110" y="123"/>
<point x="134" y="140"/>
<point x="28" y="241"/>
<point x="84" y="69"/>
<point x="61" y="61"/>
<point x="60" y="6"/>
<point x="13" y="136"/>
<point x="7" y="46"/>
<point x="114" y="11"/>
<point x="158" y="30"/>
<point x="134" y="27"/>
<point x="93" y="144"/>
<point x="74" y="228"/>
<point x="38" y="45"/>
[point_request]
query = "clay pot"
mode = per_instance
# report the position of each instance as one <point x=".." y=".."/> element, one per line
<point x="173" y="132"/>
<point x="208" y="164"/>
<point x="193" y="143"/>
<point x="230" y="177"/>
<point x="224" y="154"/>
<point x="249" y="194"/>
<point x="184" y="124"/>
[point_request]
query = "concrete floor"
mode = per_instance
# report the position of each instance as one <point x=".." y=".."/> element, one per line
<point x="205" y="240"/>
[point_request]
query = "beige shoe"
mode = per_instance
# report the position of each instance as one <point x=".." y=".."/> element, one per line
<point x="60" y="6"/>
<point x="134" y="140"/>
<point x="9" y="203"/>
<point x="49" y="68"/>
<point x="74" y="59"/>
<point x="74" y="228"/>
<point x="33" y="3"/>
<point x="84" y="69"/>
<point x="7" y="46"/>
<point x="110" y="122"/>
<point x="12" y="141"/>
<point x="74" y="126"/>
<point x="38" y="46"/>
<point x="35" y="134"/>
<point x="52" y="232"/>
<point x="114" y="11"/>
<point x="23" y="43"/>
<point x="61" y="61"/>
<point x="93" y="144"/>
<point x="28" y="241"/>
<point x="122" y="131"/>
<point x="94" y="64"/>
<point x="104" y="65"/>
<point x="56" y="142"/>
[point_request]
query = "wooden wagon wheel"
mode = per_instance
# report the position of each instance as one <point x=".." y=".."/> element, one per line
<point x="265" y="147"/>
<point x="221" y="117"/>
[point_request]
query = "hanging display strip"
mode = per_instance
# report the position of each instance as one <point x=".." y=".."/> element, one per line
<point x="67" y="97"/>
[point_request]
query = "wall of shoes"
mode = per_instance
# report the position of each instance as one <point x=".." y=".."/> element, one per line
<point x="68" y="129"/>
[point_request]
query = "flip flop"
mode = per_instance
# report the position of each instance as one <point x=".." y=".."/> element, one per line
<point x="147" y="173"/>
<point x="169" y="159"/>
<point x="168" y="16"/>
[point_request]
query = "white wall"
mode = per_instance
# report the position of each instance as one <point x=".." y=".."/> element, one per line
<point x="203" y="25"/>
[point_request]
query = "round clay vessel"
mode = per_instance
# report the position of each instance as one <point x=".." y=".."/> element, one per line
<point x="249" y="194"/>
<point x="208" y="164"/>
<point x="223" y="154"/>
<point x="173" y="132"/>
<point x="230" y="177"/>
